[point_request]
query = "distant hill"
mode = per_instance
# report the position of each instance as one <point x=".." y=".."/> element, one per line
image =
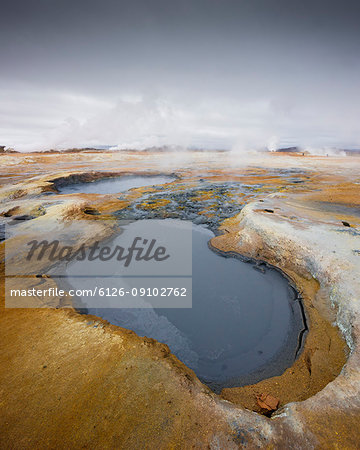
<point x="3" y="149"/>
<point x="289" y="150"/>
<point x="353" y="152"/>
<point x="73" y="150"/>
<point x="334" y="151"/>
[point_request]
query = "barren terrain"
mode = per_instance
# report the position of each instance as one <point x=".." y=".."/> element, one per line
<point x="74" y="381"/>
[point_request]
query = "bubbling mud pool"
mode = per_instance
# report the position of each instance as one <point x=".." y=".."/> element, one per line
<point x="244" y="325"/>
<point x="115" y="185"/>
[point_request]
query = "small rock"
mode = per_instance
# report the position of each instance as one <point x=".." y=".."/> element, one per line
<point x="268" y="402"/>
<point x="23" y="217"/>
<point x="91" y="211"/>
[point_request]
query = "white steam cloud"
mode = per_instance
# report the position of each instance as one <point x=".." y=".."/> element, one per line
<point x="41" y="119"/>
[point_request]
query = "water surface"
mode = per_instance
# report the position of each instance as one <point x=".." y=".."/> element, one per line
<point x="115" y="185"/>
<point x="244" y="325"/>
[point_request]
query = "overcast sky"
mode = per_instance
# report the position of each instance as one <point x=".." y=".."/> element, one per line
<point x="206" y="73"/>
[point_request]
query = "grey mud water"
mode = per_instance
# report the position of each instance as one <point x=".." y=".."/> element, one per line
<point x="115" y="184"/>
<point x="244" y="324"/>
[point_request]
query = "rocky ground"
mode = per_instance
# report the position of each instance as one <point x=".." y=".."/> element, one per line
<point x="69" y="380"/>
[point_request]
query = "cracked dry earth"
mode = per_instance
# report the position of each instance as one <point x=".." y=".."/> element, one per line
<point x="74" y="381"/>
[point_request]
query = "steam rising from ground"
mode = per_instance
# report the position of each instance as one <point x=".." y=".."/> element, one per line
<point x="39" y="120"/>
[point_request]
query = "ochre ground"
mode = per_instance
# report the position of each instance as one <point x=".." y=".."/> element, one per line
<point x="72" y="381"/>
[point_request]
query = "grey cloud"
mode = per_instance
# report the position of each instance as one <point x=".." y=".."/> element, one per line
<point x="201" y="72"/>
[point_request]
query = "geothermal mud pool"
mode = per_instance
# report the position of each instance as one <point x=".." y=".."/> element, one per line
<point x="244" y="325"/>
<point x="114" y="185"/>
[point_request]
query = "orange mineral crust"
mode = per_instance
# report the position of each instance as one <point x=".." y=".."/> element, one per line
<point x="75" y="381"/>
